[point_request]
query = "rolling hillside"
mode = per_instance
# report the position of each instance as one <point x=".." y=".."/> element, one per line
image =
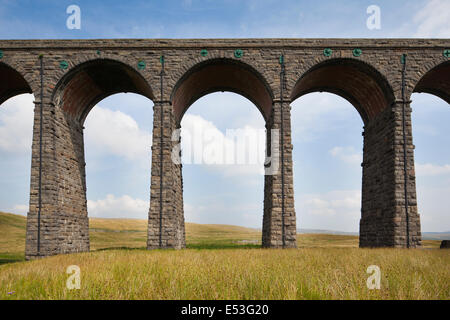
<point x="132" y="233"/>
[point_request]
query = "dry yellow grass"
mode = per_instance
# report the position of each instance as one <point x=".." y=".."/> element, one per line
<point x="324" y="267"/>
<point x="319" y="273"/>
<point x="129" y="233"/>
<point x="12" y="233"/>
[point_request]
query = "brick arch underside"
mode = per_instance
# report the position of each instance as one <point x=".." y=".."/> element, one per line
<point x="355" y="81"/>
<point x="221" y="75"/>
<point x="436" y="82"/>
<point x="91" y="82"/>
<point x="12" y="83"/>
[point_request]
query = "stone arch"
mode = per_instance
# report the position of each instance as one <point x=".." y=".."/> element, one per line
<point x="436" y="81"/>
<point x="74" y="93"/>
<point x="382" y="222"/>
<point x="208" y="76"/>
<point x="433" y="78"/>
<point x="221" y="74"/>
<point x="354" y="80"/>
<point x="13" y="83"/>
<point x="87" y="83"/>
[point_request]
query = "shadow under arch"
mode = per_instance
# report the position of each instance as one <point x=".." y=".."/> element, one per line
<point x="12" y="83"/>
<point x="436" y="81"/>
<point x="90" y="82"/>
<point x="356" y="81"/>
<point x="221" y="74"/>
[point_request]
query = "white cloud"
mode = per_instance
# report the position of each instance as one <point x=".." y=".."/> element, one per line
<point x="317" y="113"/>
<point x="338" y="210"/>
<point x="318" y="206"/>
<point x="347" y="154"/>
<point x="116" y="133"/>
<point x="107" y="131"/>
<point x="339" y="202"/>
<point x="219" y="211"/>
<point x="16" y="124"/>
<point x="433" y="204"/>
<point x="203" y="143"/>
<point x="121" y="207"/>
<point x="20" y="209"/>
<point x="429" y="169"/>
<point x="227" y="109"/>
<point x="433" y="20"/>
<point x="190" y="214"/>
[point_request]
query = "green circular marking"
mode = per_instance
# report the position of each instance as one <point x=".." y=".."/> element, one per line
<point x="281" y="59"/>
<point x="238" y="53"/>
<point x="99" y="52"/>
<point x="447" y="53"/>
<point x="64" y="65"/>
<point x="357" y="52"/>
<point x="1" y="54"/>
<point x="327" y="52"/>
<point x="204" y="52"/>
<point x="161" y="59"/>
<point x="141" y="65"/>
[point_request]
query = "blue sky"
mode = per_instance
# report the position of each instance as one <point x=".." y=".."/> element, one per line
<point x="326" y="128"/>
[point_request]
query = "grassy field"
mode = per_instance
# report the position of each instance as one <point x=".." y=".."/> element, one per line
<point x="221" y="262"/>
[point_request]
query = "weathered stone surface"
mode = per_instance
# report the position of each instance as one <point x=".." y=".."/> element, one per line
<point x="96" y="69"/>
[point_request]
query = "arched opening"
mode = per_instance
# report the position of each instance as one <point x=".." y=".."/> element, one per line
<point x="430" y="118"/>
<point x="436" y="82"/>
<point x="16" y="129"/>
<point x="327" y="157"/>
<point x="223" y="147"/>
<point x="359" y="83"/>
<point x="221" y="75"/>
<point x="112" y="143"/>
<point x="118" y="151"/>
<point x="12" y="83"/>
<point x="87" y="84"/>
<point x="370" y="94"/>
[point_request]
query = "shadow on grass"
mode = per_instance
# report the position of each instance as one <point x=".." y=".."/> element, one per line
<point x="196" y="246"/>
<point x="220" y="245"/>
<point x="120" y="248"/>
<point x="11" y="258"/>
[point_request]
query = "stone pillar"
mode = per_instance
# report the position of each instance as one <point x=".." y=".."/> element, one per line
<point x="384" y="221"/>
<point x="166" y="218"/>
<point x="274" y="220"/>
<point x="64" y="225"/>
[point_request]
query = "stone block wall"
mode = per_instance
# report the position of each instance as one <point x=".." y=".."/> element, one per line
<point x="73" y="81"/>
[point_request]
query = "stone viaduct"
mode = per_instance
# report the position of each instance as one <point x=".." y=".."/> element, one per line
<point x="68" y="77"/>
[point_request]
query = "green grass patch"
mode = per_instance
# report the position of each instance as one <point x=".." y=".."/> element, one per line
<point x="11" y="257"/>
